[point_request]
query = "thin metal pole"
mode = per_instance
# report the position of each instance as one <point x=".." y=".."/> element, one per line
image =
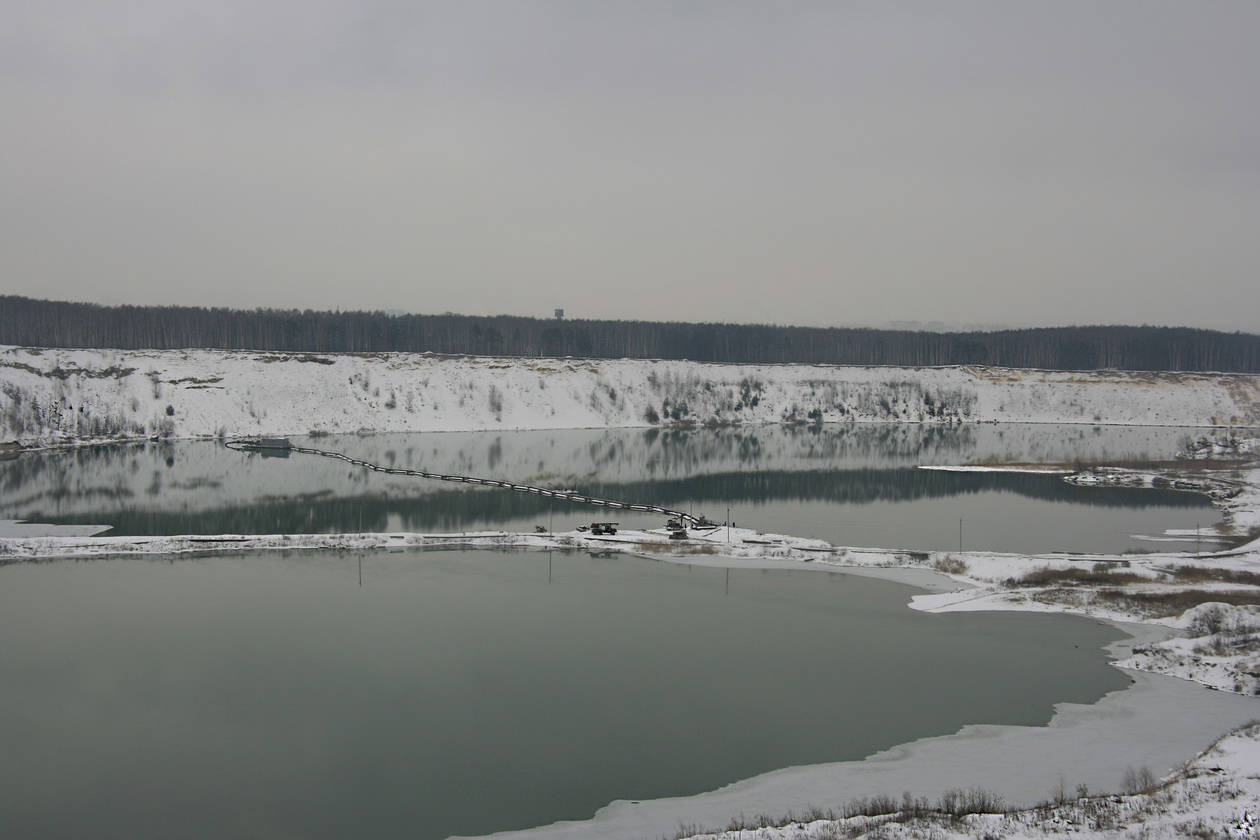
<point x="960" y="536"/>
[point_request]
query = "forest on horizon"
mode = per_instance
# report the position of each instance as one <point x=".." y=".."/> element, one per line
<point x="28" y="322"/>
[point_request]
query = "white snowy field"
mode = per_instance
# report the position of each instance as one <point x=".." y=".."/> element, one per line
<point x="56" y="396"/>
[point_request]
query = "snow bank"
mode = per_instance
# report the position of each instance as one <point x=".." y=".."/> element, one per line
<point x="49" y="396"/>
<point x="1215" y="795"/>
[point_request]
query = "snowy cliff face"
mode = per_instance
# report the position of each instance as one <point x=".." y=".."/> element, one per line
<point x="49" y="396"/>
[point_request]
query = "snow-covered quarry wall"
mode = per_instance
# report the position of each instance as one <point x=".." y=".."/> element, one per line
<point x="48" y="396"/>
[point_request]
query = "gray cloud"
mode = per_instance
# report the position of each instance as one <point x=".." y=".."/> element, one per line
<point x="977" y="162"/>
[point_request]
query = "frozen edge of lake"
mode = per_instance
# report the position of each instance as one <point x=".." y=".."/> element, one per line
<point x="1158" y="722"/>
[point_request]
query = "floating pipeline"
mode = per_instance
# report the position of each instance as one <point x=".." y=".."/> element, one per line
<point x="281" y="447"/>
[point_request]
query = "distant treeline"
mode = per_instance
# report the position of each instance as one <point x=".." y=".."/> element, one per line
<point x="41" y="323"/>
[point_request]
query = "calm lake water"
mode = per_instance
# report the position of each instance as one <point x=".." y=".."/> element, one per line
<point x="466" y="692"/>
<point x="850" y="485"/>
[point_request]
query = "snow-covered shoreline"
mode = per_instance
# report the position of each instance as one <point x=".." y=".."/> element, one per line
<point x="50" y="397"/>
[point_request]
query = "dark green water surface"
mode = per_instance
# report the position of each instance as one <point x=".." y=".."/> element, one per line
<point x="465" y="692"/>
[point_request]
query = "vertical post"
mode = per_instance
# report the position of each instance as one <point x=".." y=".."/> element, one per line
<point x="360" y="570"/>
<point x="728" y="580"/>
<point x="728" y="524"/>
<point x="960" y="535"/>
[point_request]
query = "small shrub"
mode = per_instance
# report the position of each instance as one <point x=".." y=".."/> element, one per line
<point x="1137" y="780"/>
<point x="1159" y="604"/>
<point x="496" y="402"/>
<point x="960" y="803"/>
<point x="1206" y="573"/>
<point x="950" y="565"/>
<point x="1049" y="576"/>
<point x="674" y="548"/>
<point x="1208" y="621"/>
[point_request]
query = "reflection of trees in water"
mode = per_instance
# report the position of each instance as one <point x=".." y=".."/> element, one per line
<point x="465" y="509"/>
<point x="320" y="513"/>
<point x="85" y="470"/>
<point x="661" y="451"/>
<point x="749" y="445"/>
<point x="79" y="479"/>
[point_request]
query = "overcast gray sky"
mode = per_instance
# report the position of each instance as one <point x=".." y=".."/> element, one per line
<point x="1024" y="162"/>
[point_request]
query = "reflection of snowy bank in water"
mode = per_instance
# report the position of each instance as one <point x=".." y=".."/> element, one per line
<point x="176" y="476"/>
<point x="897" y="508"/>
